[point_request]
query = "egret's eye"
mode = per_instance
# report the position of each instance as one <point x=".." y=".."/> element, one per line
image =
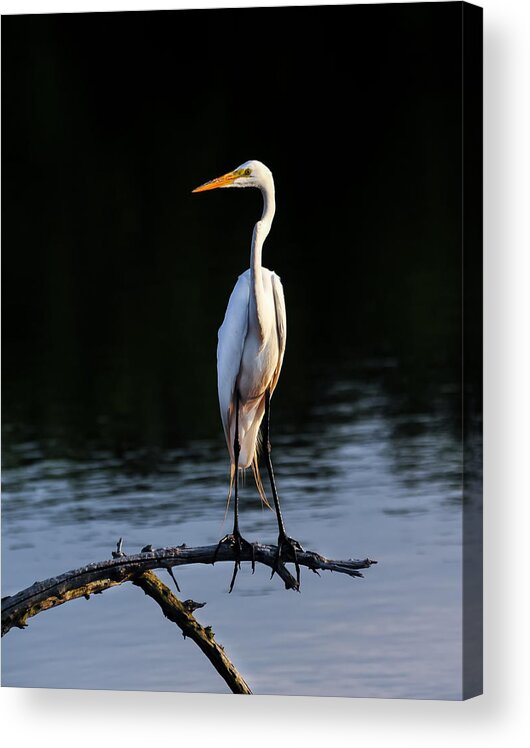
<point x="247" y="172"/>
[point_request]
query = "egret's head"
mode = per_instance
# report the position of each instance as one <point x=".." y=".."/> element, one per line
<point x="249" y="174"/>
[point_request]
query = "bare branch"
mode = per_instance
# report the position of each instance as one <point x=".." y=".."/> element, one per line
<point x="181" y="613"/>
<point x="99" y="576"/>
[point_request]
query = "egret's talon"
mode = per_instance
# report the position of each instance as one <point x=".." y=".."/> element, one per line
<point x="239" y="543"/>
<point x="292" y="546"/>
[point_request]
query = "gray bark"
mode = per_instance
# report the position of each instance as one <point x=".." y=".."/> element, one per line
<point x="98" y="576"/>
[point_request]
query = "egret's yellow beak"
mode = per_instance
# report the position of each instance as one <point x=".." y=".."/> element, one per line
<point x="213" y="184"/>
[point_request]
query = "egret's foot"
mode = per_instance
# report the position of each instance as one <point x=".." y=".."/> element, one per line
<point x="239" y="544"/>
<point x="236" y="540"/>
<point x="286" y="551"/>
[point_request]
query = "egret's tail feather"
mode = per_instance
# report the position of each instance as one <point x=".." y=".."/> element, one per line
<point x="259" y="484"/>
<point x="257" y="476"/>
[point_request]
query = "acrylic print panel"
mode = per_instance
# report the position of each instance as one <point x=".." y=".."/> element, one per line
<point x="117" y="278"/>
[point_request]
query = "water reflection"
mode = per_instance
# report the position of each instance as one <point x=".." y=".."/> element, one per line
<point x="358" y="477"/>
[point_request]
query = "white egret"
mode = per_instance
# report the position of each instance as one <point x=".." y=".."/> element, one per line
<point x="250" y="353"/>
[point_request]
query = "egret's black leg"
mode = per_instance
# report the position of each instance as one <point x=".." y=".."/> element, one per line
<point x="235" y="538"/>
<point x="237" y="450"/>
<point x="284" y="542"/>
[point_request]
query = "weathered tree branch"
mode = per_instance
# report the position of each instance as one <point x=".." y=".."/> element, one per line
<point x="181" y="613"/>
<point x="99" y="576"/>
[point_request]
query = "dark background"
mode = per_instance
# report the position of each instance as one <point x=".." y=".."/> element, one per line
<point x="116" y="277"/>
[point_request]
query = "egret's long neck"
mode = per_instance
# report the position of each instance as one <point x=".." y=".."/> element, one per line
<point x="260" y="233"/>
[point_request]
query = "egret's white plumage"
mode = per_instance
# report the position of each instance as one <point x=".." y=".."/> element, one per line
<point x="249" y="361"/>
<point x="249" y="357"/>
<point x="251" y="341"/>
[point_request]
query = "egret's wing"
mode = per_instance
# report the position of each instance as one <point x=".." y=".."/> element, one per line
<point x="281" y="324"/>
<point x="231" y="339"/>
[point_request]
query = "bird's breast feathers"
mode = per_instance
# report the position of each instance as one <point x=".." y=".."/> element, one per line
<point x="258" y="365"/>
<point x="244" y="356"/>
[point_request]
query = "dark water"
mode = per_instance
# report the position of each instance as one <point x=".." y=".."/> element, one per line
<point x="358" y="479"/>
